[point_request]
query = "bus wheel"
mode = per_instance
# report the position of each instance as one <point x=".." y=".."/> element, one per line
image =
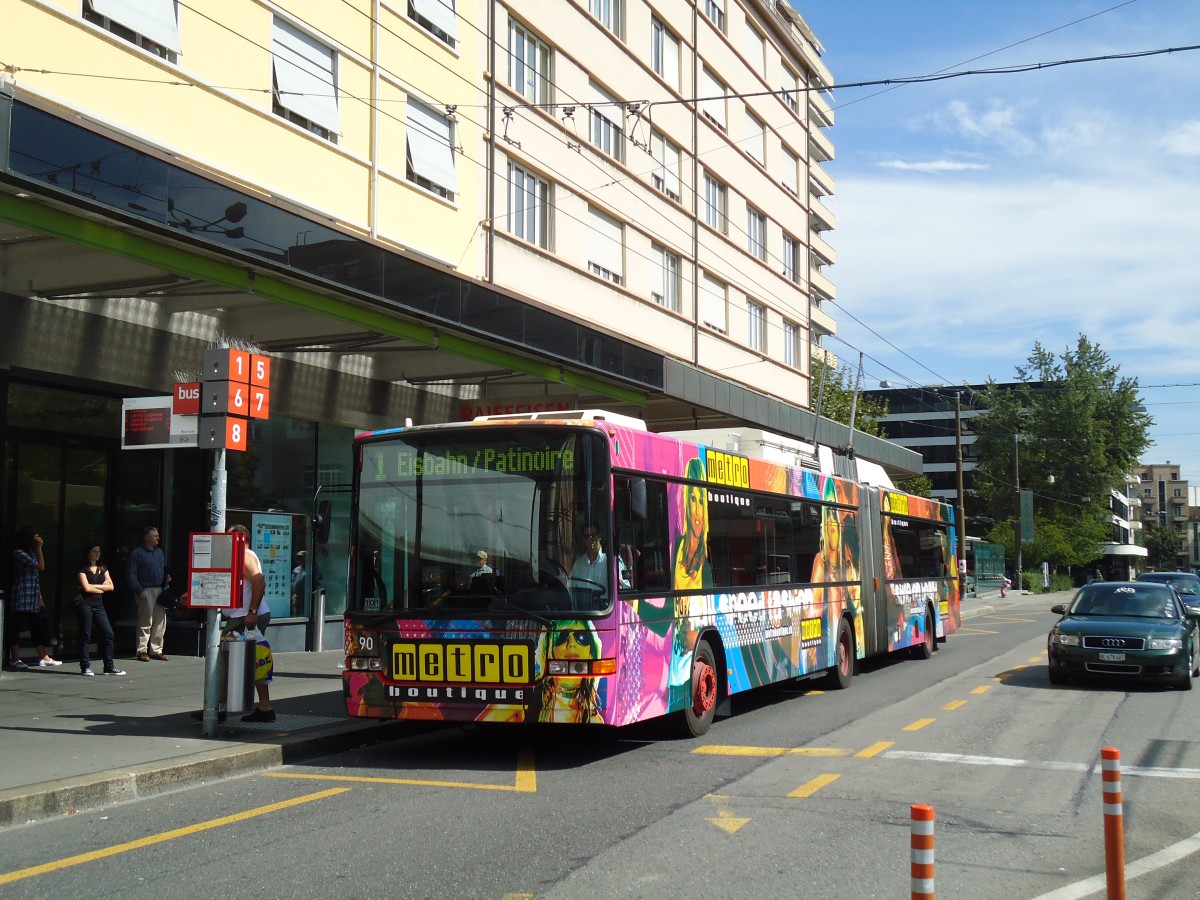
<point x="699" y="715"/>
<point x="839" y="676"/>
<point x="924" y="650"/>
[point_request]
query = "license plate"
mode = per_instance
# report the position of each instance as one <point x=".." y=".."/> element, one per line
<point x="1112" y="657"/>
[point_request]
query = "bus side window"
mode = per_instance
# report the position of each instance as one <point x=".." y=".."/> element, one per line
<point x="644" y="544"/>
<point x="806" y="539"/>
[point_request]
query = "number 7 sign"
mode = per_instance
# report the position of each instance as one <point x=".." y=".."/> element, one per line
<point x="260" y="403"/>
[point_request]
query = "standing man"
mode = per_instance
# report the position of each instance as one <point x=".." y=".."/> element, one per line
<point x="147" y="574"/>
<point x="254" y="613"/>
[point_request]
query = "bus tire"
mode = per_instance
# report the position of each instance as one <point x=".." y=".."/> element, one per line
<point x="842" y="673"/>
<point x="924" y="650"/>
<point x="705" y="688"/>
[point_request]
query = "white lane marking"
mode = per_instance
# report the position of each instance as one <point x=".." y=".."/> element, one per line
<point x="968" y="760"/>
<point x="1143" y="866"/>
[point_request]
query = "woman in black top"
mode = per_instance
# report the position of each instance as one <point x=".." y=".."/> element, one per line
<point x="94" y="582"/>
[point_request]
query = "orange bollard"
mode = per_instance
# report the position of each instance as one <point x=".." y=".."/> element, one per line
<point x="1114" y="824"/>
<point x="921" y="847"/>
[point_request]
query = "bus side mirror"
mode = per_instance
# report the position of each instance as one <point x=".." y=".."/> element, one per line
<point x="637" y="499"/>
<point x="321" y="523"/>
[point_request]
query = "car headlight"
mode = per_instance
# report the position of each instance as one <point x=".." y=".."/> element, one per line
<point x="1165" y="644"/>
<point x="1069" y="640"/>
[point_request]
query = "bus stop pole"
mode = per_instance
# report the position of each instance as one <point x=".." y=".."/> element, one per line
<point x="212" y="624"/>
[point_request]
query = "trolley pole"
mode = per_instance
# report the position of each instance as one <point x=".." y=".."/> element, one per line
<point x="921" y="849"/>
<point x="212" y="622"/>
<point x="1114" y="823"/>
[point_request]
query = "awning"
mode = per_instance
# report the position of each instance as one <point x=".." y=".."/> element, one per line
<point x="1123" y="550"/>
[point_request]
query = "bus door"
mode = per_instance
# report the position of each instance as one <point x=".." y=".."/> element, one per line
<point x="874" y="581"/>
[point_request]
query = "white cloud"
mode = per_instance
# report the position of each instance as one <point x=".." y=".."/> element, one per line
<point x="1183" y="140"/>
<point x="936" y="165"/>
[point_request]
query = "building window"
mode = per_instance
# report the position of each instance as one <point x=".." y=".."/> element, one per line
<point x="528" y="206"/>
<point x="664" y="53"/>
<point x="791" y="90"/>
<point x="665" y="175"/>
<point x="791" y="344"/>
<point x="712" y="303"/>
<point x="712" y="98"/>
<point x="756" y="50"/>
<point x="715" y="10"/>
<point x="791" y="172"/>
<point x="607" y="124"/>
<point x="305" y="80"/>
<point x="152" y="25"/>
<point x="756" y="233"/>
<point x="608" y="13"/>
<point x="756" y="326"/>
<point x="791" y="258"/>
<point x="437" y="17"/>
<point x="528" y="64"/>
<point x="756" y="138"/>
<point x="605" y="246"/>
<point x="669" y="285"/>
<point x="430" y="150"/>
<point x="715" y="195"/>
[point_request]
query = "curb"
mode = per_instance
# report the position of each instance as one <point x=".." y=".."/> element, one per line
<point x="47" y="799"/>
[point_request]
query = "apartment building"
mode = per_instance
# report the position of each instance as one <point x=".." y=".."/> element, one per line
<point x="421" y="209"/>
<point x="1164" y="497"/>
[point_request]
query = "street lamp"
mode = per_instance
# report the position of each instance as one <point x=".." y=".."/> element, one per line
<point x="1017" y="530"/>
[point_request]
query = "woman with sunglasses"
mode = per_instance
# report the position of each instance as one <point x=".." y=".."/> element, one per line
<point x="573" y="698"/>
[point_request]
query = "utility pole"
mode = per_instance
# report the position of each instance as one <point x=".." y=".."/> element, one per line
<point x="960" y="515"/>
<point x="1017" y="487"/>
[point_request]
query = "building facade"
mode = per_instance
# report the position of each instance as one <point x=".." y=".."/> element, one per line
<point x="420" y="210"/>
<point x="1165" y="502"/>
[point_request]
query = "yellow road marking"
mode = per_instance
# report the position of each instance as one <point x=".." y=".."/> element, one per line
<point x="811" y="787"/>
<point x="525" y="782"/>
<point x="955" y="704"/>
<point x="1037" y="659"/>
<point x="151" y="840"/>
<point x="983" y="689"/>
<point x="727" y="821"/>
<point x="919" y="724"/>
<point x="770" y="752"/>
<point x="873" y="750"/>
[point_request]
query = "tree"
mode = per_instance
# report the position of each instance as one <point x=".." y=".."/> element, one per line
<point x="1069" y="430"/>
<point x="838" y="397"/>
<point x="1163" y="545"/>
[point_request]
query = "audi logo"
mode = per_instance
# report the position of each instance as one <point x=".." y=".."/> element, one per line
<point x="1112" y="642"/>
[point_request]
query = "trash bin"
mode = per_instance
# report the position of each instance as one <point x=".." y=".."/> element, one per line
<point x="237" y="676"/>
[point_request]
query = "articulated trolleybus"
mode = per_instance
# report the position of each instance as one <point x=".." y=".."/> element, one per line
<point x="580" y="569"/>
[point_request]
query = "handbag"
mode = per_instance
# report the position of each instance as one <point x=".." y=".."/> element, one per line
<point x="168" y="599"/>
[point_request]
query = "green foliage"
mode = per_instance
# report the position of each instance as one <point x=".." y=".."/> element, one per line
<point x="1031" y="580"/>
<point x="1163" y="545"/>
<point x="919" y="485"/>
<point x="838" y="397"/>
<point x="1080" y="432"/>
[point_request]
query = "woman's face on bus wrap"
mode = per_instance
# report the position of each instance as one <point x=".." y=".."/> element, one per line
<point x="697" y="510"/>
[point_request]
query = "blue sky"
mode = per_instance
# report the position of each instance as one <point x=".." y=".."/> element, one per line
<point x="977" y="215"/>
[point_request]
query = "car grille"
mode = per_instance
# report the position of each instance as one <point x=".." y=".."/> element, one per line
<point x="1113" y="669"/>
<point x="1091" y="642"/>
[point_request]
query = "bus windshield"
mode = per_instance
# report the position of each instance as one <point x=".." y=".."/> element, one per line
<point x="479" y="521"/>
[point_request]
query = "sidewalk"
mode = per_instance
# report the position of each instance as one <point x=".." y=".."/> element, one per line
<point x="73" y="743"/>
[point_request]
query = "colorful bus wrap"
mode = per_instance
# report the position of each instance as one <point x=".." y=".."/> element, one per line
<point x="584" y="571"/>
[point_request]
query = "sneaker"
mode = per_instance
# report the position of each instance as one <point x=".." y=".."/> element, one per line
<point x="46" y="662"/>
<point x="143" y="656"/>
<point x="88" y="673"/>
<point x="111" y="672"/>
<point x="17" y="665"/>
<point x="260" y="715"/>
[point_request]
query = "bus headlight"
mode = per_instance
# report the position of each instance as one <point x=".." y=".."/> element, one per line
<point x="581" y="667"/>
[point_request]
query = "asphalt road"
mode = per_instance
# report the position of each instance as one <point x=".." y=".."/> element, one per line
<point x="799" y="793"/>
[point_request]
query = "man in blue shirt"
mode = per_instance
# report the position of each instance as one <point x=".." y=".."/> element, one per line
<point x="147" y="575"/>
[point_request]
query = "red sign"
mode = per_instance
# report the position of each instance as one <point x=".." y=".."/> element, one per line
<point x="227" y="364"/>
<point x="260" y="371"/>
<point x="222" y="433"/>
<point x="221" y="397"/>
<point x="260" y="403"/>
<point x="186" y="400"/>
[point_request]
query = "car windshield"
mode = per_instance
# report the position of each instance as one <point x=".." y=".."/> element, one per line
<point x="1184" y="583"/>
<point x="1143" y="600"/>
